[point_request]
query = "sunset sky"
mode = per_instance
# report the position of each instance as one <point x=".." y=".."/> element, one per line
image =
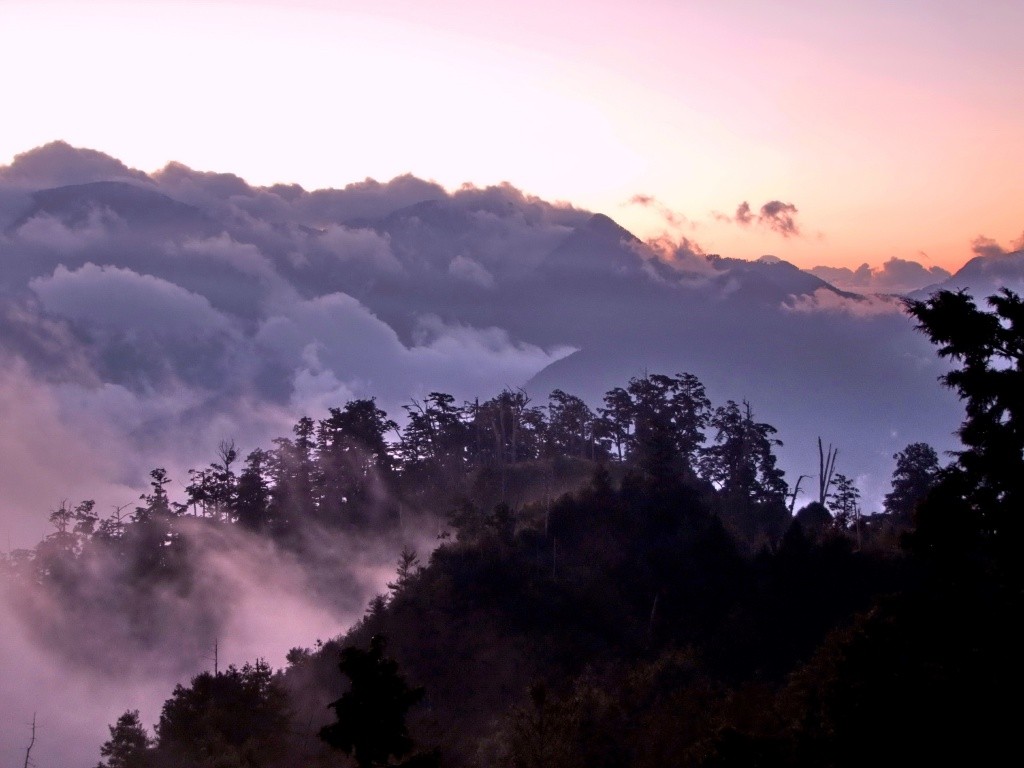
<point x="893" y="128"/>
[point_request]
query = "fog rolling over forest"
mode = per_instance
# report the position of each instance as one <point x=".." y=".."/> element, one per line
<point x="160" y="314"/>
<point x="75" y="663"/>
<point x="166" y="320"/>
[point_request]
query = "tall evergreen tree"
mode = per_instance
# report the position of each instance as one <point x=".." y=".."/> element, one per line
<point x="917" y="471"/>
<point x="742" y="461"/>
<point x="129" y="746"/>
<point x="371" y="714"/>
<point x="976" y="507"/>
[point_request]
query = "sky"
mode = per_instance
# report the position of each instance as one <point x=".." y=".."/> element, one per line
<point x="892" y="129"/>
<point x="821" y="132"/>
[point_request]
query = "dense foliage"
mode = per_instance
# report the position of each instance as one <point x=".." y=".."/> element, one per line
<point x="625" y="587"/>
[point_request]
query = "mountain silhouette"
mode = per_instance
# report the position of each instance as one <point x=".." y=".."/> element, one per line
<point x="396" y="289"/>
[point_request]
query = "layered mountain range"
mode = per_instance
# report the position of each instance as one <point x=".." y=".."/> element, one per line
<point x="146" y="317"/>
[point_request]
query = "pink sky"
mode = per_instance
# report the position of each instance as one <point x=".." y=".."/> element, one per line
<point x="894" y="128"/>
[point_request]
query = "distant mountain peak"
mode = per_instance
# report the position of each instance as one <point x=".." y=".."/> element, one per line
<point x="133" y="203"/>
<point x="607" y="227"/>
<point x="984" y="275"/>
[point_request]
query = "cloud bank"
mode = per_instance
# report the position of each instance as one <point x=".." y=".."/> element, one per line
<point x="894" y="276"/>
<point x="146" y="318"/>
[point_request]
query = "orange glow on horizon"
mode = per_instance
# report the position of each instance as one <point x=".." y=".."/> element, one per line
<point x="894" y="131"/>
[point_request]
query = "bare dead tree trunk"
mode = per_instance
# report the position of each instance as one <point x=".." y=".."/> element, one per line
<point x="32" y="742"/>
<point x="498" y="429"/>
<point x="826" y="468"/>
<point x="651" y="619"/>
<point x="796" y="490"/>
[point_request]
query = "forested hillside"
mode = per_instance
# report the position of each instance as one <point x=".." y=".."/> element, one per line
<point x="160" y="313"/>
<point x="626" y="587"/>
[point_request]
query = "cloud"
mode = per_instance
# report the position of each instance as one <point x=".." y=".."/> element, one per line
<point x="200" y="186"/>
<point x="49" y="232"/>
<point x="775" y="215"/>
<point x="47" y="344"/>
<point x="118" y="298"/>
<point x="78" y="664"/>
<point x="245" y="258"/>
<point x="146" y="344"/>
<point x="59" y="164"/>
<point x="466" y="269"/>
<point x="986" y="246"/>
<point x="359" y="246"/>
<point x="684" y="254"/>
<point x="336" y="347"/>
<point x="41" y="450"/>
<point x="825" y="300"/>
<point x="894" y="276"/>
<point x="490" y="355"/>
<point x="362" y="200"/>
<point x="779" y="217"/>
<point x="504" y="199"/>
<point x="673" y="219"/>
<point x="743" y="215"/>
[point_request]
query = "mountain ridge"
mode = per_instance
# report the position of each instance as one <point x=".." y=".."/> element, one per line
<point x="395" y="289"/>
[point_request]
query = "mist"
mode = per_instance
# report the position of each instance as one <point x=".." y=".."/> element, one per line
<point x="77" y="656"/>
<point x="147" y="318"/>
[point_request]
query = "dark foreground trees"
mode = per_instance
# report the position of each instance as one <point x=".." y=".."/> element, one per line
<point x="129" y="745"/>
<point x="917" y="471"/>
<point x="232" y="719"/>
<point x="630" y="623"/>
<point x="371" y="714"/>
<point x="932" y="674"/>
<point x="235" y="717"/>
<point x="977" y="511"/>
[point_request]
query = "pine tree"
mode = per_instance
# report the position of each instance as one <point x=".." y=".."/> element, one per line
<point x="129" y="746"/>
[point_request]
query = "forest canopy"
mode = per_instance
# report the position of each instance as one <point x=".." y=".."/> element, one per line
<point x="623" y="585"/>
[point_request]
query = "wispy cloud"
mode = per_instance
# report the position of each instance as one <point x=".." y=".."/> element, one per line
<point x="673" y="218"/>
<point x="825" y="300"/>
<point x="775" y="216"/>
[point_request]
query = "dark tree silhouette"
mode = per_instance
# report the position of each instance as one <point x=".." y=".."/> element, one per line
<point x="354" y="461"/>
<point x="237" y="715"/>
<point x="570" y="426"/>
<point x="615" y="426"/>
<point x="742" y="460"/>
<point x="977" y="504"/>
<point x="691" y="415"/>
<point x="917" y="471"/>
<point x="253" y="500"/>
<point x="435" y="435"/>
<point x="214" y="490"/>
<point x="157" y="503"/>
<point x="845" y="501"/>
<point x="655" y="450"/>
<point x="371" y="714"/>
<point x="129" y="746"/>
<point x="408" y="565"/>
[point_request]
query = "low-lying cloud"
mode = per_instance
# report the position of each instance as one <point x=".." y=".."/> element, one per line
<point x="825" y="300"/>
<point x="117" y="298"/>
<point x="894" y="276"/>
<point x="77" y="667"/>
<point x="146" y="318"/>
